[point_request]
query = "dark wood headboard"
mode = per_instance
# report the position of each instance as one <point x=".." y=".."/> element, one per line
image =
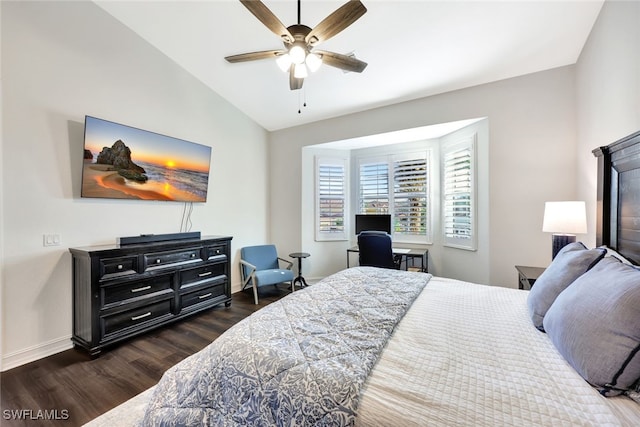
<point x="618" y="197"/>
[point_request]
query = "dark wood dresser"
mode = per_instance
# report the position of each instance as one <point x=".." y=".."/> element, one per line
<point x="122" y="291"/>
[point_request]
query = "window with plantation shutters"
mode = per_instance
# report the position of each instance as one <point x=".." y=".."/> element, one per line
<point x="410" y="185"/>
<point x="458" y="177"/>
<point x="374" y="188"/>
<point x="397" y="185"/>
<point x="331" y="199"/>
<point x="431" y="188"/>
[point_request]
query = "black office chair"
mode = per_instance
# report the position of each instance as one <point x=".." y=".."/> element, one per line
<point x="376" y="251"/>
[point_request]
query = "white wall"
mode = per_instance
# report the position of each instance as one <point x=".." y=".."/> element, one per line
<point x="531" y="160"/>
<point x="60" y="61"/>
<point x="608" y="91"/>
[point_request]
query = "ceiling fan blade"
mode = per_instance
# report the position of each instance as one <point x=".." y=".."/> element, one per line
<point x="253" y="56"/>
<point x="267" y="17"/>
<point x="344" y="62"/>
<point x="340" y="19"/>
<point x="294" y="83"/>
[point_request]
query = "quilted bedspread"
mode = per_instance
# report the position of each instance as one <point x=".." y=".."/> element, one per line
<point x="468" y="355"/>
<point x="299" y="361"/>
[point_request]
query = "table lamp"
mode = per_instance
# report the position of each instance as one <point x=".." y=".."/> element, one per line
<point x="564" y="220"/>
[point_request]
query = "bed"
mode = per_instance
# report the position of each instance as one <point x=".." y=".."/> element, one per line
<point x="369" y="346"/>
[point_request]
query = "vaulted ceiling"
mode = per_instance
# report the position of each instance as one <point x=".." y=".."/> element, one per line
<point x="413" y="49"/>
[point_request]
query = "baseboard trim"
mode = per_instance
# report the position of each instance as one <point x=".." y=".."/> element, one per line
<point x="236" y="287"/>
<point x="36" y="352"/>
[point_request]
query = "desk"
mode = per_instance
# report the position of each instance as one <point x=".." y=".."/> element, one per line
<point x="406" y="254"/>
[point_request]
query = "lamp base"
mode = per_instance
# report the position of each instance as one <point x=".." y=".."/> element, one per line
<point x="559" y="241"/>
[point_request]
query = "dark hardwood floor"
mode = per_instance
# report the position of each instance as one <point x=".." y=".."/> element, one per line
<point x="75" y="389"/>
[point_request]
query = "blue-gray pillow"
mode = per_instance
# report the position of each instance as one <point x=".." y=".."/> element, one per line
<point x="595" y="325"/>
<point x="570" y="263"/>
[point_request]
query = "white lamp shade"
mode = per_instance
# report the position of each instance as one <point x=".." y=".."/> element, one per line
<point x="297" y="54"/>
<point x="284" y="62"/>
<point x="300" y="71"/>
<point x="565" y="217"/>
<point x="313" y="61"/>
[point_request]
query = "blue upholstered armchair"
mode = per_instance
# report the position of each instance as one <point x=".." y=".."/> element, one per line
<point x="376" y="251"/>
<point x="260" y="266"/>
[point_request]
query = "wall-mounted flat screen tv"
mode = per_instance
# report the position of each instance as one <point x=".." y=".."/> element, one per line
<point x="123" y="162"/>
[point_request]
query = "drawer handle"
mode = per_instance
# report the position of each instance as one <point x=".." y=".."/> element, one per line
<point x="208" y="273"/>
<point x="193" y="255"/>
<point x="205" y="296"/>
<point x="144" y="288"/>
<point x="142" y="316"/>
<point x="120" y="266"/>
<point x="218" y="251"/>
<point x="158" y="261"/>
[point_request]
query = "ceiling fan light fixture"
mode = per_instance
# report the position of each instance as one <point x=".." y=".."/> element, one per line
<point x="299" y="40"/>
<point x="297" y="53"/>
<point x="300" y="71"/>
<point x="313" y="61"/>
<point x="284" y="62"/>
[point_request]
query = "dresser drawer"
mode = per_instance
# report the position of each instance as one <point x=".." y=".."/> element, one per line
<point x="136" y="317"/>
<point x="115" y="267"/>
<point x="171" y="258"/>
<point x="217" y="253"/>
<point x="122" y="293"/>
<point x="196" y="276"/>
<point x="202" y="295"/>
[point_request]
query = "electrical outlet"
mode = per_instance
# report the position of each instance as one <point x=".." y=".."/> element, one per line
<point x="50" y="240"/>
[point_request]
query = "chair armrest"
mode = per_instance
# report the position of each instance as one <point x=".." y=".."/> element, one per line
<point x="245" y="280"/>
<point x="289" y="263"/>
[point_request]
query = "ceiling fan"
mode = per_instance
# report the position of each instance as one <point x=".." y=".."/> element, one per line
<point x="299" y="55"/>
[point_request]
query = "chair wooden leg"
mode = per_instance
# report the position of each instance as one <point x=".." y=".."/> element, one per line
<point x="255" y="291"/>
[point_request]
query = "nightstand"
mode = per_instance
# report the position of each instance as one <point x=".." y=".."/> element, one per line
<point x="527" y="276"/>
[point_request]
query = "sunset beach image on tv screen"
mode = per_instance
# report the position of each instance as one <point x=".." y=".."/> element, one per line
<point x="123" y="162"/>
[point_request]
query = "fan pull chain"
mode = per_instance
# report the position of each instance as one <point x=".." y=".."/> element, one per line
<point x="304" y="101"/>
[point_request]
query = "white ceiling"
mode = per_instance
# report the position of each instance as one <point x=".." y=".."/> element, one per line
<point x="413" y="48"/>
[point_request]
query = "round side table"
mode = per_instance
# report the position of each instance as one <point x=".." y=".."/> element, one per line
<point x="299" y="279"/>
